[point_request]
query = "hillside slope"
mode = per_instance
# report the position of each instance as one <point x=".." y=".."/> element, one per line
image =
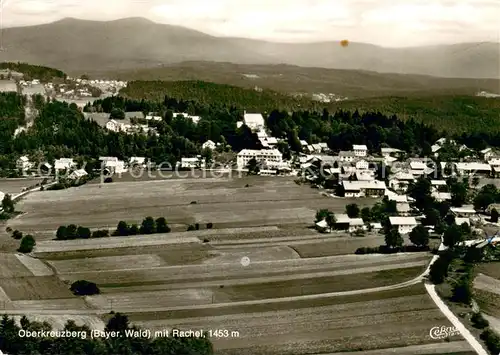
<point x="294" y="79"/>
<point x="78" y="46"/>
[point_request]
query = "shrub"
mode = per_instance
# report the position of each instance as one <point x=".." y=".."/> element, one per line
<point x="108" y="180"/>
<point x="27" y="244"/>
<point x="8" y="230"/>
<point x="191" y="228"/>
<point x="102" y="233"/>
<point x="84" y="288"/>
<point x="210" y="225"/>
<point x="17" y="234"/>
<point x="193" y="202"/>
<point x="478" y="321"/>
<point x="205" y="240"/>
<point x="197" y="226"/>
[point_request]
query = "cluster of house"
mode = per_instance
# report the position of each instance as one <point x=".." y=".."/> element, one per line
<point x="270" y="159"/>
<point x="357" y="173"/>
<point x="321" y="97"/>
<point x="109" y="165"/>
<point x="104" y="85"/>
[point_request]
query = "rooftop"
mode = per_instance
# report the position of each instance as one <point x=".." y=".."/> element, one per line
<point x="403" y="221"/>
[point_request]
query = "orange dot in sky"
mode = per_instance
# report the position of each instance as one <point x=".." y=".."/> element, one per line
<point x="344" y="43"/>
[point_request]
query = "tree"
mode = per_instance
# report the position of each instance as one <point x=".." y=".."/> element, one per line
<point x="27" y="244"/>
<point x="452" y="236"/>
<point x="253" y="166"/>
<point x="210" y="225"/>
<point x="420" y="190"/>
<point x="393" y="238"/>
<point x="321" y="215"/>
<point x="83" y="233"/>
<point x="8" y="204"/>
<point x="162" y="226"/>
<point x="122" y="229"/>
<point x="148" y="226"/>
<point x="84" y="288"/>
<point x="71" y="231"/>
<point x="117" y="114"/>
<point x="330" y="220"/>
<point x="438" y="271"/>
<point x="61" y="233"/>
<point x="352" y="210"/>
<point x="117" y="323"/>
<point x="419" y="236"/>
<point x="475" y="181"/>
<point x="134" y="229"/>
<point x="366" y="214"/>
<point x="17" y="234"/>
<point x="458" y="192"/>
<point x="494" y="215"/>
<point x="432" y="217"/>
<point x="191" y="228"/>
<point x="462" y="292"/>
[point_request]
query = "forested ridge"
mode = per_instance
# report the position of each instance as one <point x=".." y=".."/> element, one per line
<point x="44" y="74"/>
<point x="455" y="114"/>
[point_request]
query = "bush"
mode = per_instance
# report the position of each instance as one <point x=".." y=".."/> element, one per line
<point x="108" y="180"/>
<point x="197" y="226"/>
<point x="193" y="202"/>
<point x="205" y="240"/>
<point x="191" y="228"/>
<point x="210" y="225"/>
<point x="478" y="321"/>
<point x="27" y="244"/>
<point x="17" y="234"/>
<point x="8" y="230"/>
<point x="102" y="233"/>
<point x="492" y="341"/>
<point x="84" y="288"/>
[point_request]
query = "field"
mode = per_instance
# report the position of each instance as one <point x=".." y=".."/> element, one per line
<point x="15" y="186"/>
<point x="261" y="274"/>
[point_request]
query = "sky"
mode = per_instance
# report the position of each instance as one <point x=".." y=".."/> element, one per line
<point x="390" y="23"/>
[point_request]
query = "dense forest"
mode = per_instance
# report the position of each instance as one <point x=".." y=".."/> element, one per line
<point x="454" y="114"/>
<point x="78" y="340"/>
<point x="206" y="93"/>
<point x="44" y="74"/>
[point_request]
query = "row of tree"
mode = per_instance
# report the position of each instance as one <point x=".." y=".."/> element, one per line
<point x="13" y="342"/>
<point x="149" y="225"/>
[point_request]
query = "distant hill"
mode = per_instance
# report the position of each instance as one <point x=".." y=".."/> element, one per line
<point x="78" y="46"/>
<point x="295" y="79"/>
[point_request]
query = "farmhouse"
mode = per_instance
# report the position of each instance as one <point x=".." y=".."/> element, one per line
<point x="464" y="211"/>
<point x="404" y="224"/>
<point x="268" y="142"/>
<point x="209" y="145"/>
<point x="23" y="163"/>
<point x="64" y="164"/>
<point x="362" y="164"/>
<point x="190" y="163"/>
<point x="360" y="150"/>
<point x="403" y="209"/>
<point x="473" y="168"/>
<point x="461" y="220"/>
<point x="346" y="156"/>
<point x="114" y="126"/>
<point x="254" y="121"/>
<point x="373" y="188"/>
<point x="355" y="224"/>
<point x="153" y="117"/>
<point x="386" y="152"/>
<point x="8" y="86"/>
<point x="138" y="161"/>
<point x="441" y="196"/>
<point x="265" y="155"/>
<point x="77" y="174"/>
<point x="322" y="226"/>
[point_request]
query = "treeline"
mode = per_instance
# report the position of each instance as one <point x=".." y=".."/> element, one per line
<point x="72" y="231"/>
<point x="30" y="71"/>
<point x="14" y="342"/>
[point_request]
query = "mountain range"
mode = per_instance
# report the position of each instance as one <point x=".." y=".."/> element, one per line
<point x="82" y="46"/>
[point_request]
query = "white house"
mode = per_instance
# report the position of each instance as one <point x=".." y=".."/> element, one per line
<point x="23" y="163"/>
<point x="362" y="165"/>
<point x="473" y="168"/>
<point x="372" y="188"/>
<point x="138" y="161"/>
<point x="209" y="145"/>
<point x="360" y="150"/>
<point x="78" y="174"/>
<point x="355" y="224"/>
<point x="464" y="211"/>
<point x="254" y="121"/>
<point x="195" y="119"/>
<point x="346" y="156"/>
<point x="264" y="155"/>
<point x="441" y="196"/>
<point x="303" y="143"/>
<point x="461" y="220"/>
<point x="196" y="162"/>
<point x="114" y="126"/>
<point x="386" y="152"/>
<point x="404" y="224"/>
<point x="64" y="164"/>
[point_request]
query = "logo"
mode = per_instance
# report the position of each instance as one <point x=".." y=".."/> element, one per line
<point x="443" y="332"/>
